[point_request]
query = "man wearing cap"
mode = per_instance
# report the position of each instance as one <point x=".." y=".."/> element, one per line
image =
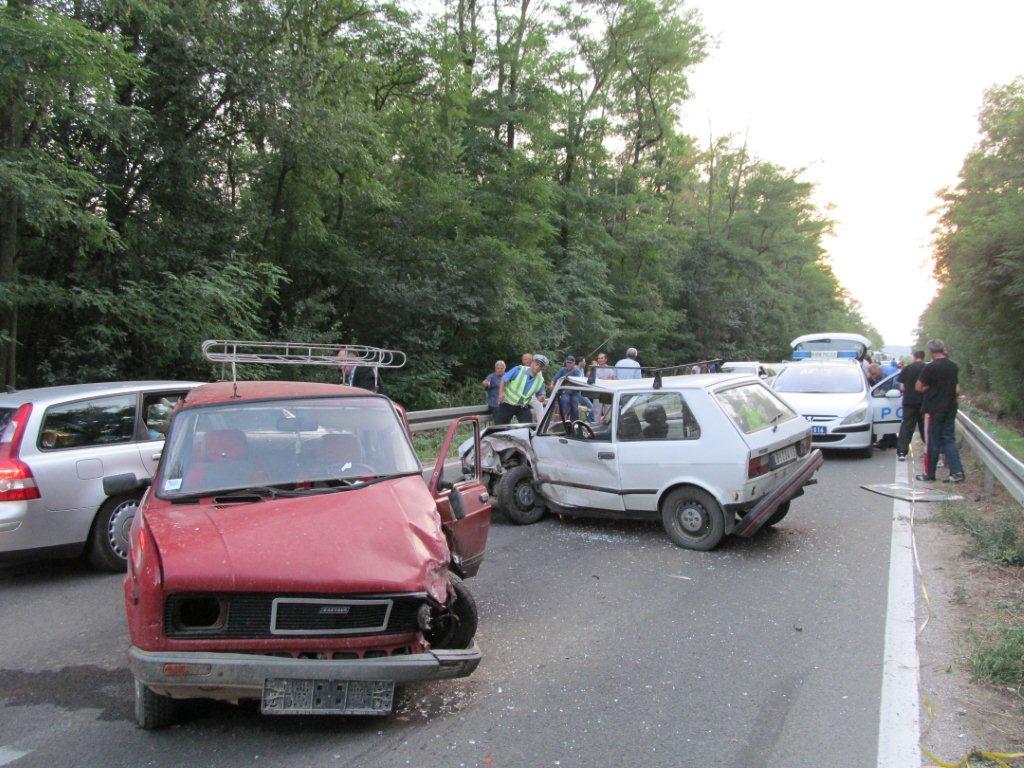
<point x="517" y="388"/>
<point x="628" y="367"/>
<point x="569" y="401"/>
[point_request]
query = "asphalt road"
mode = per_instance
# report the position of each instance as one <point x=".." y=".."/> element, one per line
<point x="603" y="645"/>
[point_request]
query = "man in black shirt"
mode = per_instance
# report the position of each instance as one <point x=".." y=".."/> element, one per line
<point x="939" y="383"/>
<point x="912" y="418"/>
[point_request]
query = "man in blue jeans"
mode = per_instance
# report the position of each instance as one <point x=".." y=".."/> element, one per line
<point x="939" y="382"/>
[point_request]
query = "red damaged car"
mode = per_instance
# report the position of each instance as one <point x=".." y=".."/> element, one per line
<point x="289" y="551"/>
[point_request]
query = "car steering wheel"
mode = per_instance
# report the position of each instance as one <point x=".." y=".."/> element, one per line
<point x="583" y="430"/>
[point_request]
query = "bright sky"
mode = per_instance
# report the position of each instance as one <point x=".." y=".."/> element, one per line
<point x="880" y="100"/>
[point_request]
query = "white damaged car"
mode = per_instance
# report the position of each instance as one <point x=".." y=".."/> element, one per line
<point x="707" y="455"/>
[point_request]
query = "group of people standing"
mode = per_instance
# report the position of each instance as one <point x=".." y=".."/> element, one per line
<point x="930" y="392"/>
<point x="518" y="393"/>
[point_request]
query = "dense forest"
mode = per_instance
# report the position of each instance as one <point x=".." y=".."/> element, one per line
<point x="979" y="257"/>
<point x="463" y="183"/>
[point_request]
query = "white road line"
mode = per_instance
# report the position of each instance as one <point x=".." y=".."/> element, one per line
<point x="10" y="754"/>
<point x="899" y="716"/>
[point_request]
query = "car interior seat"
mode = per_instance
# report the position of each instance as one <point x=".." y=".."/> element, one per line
<point x="629" y="425"/>
<point x="657" y="422"/>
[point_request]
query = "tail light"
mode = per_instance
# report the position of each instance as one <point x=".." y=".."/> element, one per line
<point x="16" y="480"/>
<point x="758" y="465"/>
<point x="804" y="446"/>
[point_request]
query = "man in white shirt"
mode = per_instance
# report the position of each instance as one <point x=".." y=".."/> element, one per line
<point x="628" y="367"/>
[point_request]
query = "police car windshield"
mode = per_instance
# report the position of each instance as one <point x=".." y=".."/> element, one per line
<point x="309" y="443"/>
<point x="823" y="379"/>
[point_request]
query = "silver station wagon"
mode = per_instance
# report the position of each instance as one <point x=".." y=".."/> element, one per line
<point x="74" y="463"/>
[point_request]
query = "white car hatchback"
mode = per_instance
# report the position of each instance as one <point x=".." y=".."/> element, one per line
<point x="707" y="455"/>
<point x="843" y="411"/>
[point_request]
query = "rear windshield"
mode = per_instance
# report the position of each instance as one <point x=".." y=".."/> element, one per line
<point x="317" y="443"/>
<point x="5" y="420"/>
<point x="820" y="379"/>
<point x="753" y="407"/>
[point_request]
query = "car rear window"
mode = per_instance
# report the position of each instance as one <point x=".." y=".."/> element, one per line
<point x="101" y="421"/>
<point x="810" y="378"/>
<point x="753" y="407"/>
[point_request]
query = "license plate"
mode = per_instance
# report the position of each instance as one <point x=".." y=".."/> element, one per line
<point x="784" y="456"/>
<point x="819" y="430"/>
<point x="284" y="696"/>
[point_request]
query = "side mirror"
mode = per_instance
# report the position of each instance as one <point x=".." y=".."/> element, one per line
<point x="894" y="394"/>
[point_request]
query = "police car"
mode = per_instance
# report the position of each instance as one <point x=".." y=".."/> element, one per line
<point x="826" y="385"/>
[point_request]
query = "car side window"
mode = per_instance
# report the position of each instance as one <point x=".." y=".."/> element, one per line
<point x="892" y="382"/>
<point x="100" y="421"/>
<point x="656" y="416"/>
<point x="156" y="412"/>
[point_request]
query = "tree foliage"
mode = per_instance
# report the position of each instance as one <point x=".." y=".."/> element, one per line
<point x="464" y="185"/>
<point x="979" y="254"/>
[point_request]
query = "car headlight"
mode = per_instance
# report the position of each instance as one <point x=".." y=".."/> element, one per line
<point x="856" y="416"/>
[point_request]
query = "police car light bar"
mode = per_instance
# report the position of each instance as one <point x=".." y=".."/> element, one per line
<point x="288" y="353"/>
<point x="825" y="354"/>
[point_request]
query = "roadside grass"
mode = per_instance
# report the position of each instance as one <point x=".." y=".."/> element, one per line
<point x="995" y="532"/>
<point x="1008" y="437"/>
<point x="428" y="444"/>
<point x="997" y="656"/>
<point x="996" y="536"/>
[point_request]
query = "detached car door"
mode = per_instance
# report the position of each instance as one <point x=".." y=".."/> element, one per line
<point x="886" y="406"/>
<point x="464" y="504"/>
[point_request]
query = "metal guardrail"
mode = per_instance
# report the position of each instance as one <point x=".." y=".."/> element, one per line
<point x="1005" y="467"/>
<point x="440" y="418"/>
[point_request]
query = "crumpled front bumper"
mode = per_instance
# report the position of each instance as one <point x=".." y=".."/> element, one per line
<point x="230" y="676"/>
<point x="762" y="511"/>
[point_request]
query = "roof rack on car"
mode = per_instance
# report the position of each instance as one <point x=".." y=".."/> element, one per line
<point x="653" y="371"/>
<point x="232" y="353"/>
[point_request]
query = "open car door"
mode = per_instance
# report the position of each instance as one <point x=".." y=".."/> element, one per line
<point x="886" y="407"/>
<point x="463" y="503"/>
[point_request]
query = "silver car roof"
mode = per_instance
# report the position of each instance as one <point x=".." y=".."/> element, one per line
<point x="50" y="395"/>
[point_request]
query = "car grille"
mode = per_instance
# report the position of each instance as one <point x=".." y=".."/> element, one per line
<point x="268" y="615"/>
<point x="826" y="438"/>
<point x="818" y="417"/>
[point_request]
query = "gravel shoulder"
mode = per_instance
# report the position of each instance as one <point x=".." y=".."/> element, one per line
<point x="964" y="594"/>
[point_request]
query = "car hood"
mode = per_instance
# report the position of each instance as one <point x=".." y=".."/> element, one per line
<point x="386" y="537"/>
<point x="819" y="404"/>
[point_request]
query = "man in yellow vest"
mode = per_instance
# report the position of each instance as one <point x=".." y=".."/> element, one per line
<point x="518" y="387"/>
